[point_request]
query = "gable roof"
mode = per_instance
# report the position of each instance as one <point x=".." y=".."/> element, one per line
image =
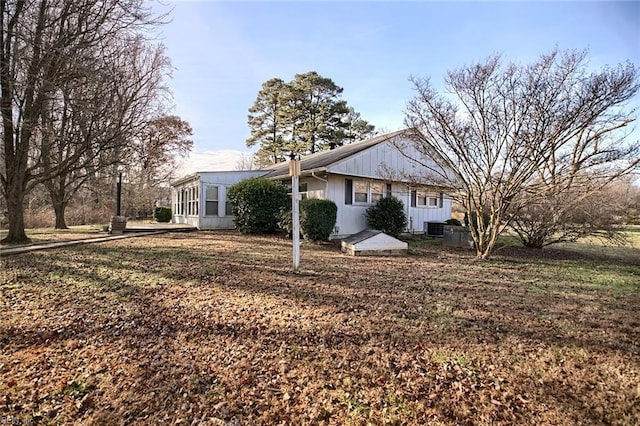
<point x="320" y="160"/>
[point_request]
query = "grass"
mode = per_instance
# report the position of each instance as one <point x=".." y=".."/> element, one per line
<point x="215" y="328"/>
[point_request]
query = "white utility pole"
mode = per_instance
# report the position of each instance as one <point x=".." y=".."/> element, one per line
<point x="294" y="172"/>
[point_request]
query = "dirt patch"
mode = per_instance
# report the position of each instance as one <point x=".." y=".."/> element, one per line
<point x="214" y="328"/>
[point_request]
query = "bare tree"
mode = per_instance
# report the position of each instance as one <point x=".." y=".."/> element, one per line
<point x="246" y="162"/>
<point x="152" y="164"/>
<point x="78" y="140"/>
<point x="48" y="46"/>
<point x="506" y="123"/>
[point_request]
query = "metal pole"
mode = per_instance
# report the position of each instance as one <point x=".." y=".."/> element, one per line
<point x="118" y="193"/>
<point x="294" y="171"/>
<point x="296" y="223"/>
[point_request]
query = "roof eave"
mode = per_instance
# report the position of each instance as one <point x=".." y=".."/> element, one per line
<point x="303" y="173"/>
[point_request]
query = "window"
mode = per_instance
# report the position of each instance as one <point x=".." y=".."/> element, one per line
<point x="189" y="199"/>
<point x="377" y="193"/>
<point x="303" y="189"/>
<point x="364" y="192"/>
<point x="176" y="204"/>
<point x="360" y="192"/>
<point x="192" y="201"/>
<point x="427" y="199"/>
<point x="211" y="200"/>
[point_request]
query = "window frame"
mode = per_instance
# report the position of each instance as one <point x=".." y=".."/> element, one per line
<point x="207" y="200"/>
<point x="429" y="200"/>
<point x="375" y="190"/>
<point x="227" y="204"/>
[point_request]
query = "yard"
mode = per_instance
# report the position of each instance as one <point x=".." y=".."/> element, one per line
<point x="215" y="329"/>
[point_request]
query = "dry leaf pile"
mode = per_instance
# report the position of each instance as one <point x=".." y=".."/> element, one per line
<point x="215" y="329"/>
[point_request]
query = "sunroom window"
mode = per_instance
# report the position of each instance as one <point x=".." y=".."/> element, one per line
<point x="211" y="202"/>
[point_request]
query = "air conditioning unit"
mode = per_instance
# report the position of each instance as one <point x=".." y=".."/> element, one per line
<point x="434" y="229"/>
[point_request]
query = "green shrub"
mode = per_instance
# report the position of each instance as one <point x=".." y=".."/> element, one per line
<point x="162" y="214"/>
<point x="452" y="221"/>
<point x="256" y="204"/>
<point x="285" y="222"/>
<point x="388" y="216"/>
<point x="317" y="219"/>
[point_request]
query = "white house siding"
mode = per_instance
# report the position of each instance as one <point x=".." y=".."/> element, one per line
<point x="316" y="188"/>
<point x="351" y="217"/>
<point x="382" y="161"/>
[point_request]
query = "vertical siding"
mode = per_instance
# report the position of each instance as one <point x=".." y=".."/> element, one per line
<point x="419" y="215"/>
<point x="376" y="161"/>
<point x="351" y="218"/>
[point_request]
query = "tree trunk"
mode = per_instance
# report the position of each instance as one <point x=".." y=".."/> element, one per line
<point x="59" y="207"/>
<point x="15" y="213"/>
<point x="533" y="242"/>
<point x="57" y="191"/>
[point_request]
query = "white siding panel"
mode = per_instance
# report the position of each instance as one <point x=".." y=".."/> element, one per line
<point x="316" y="188"/>
<point x="374" y="162"/>
<point x="350" y="219"/>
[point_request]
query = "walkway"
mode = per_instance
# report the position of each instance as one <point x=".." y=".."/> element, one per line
<point x="135" y="230"/>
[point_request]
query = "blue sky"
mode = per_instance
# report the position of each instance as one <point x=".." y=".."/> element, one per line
<point x="223" y="52"/>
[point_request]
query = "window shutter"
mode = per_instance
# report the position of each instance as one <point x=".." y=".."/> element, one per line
<point x="388" y="190"/>
<point x="441" y="200"/>
<point x="348" y="191"/>
<point x="414" y="196"/>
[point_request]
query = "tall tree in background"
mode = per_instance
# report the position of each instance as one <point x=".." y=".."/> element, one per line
<point x="303" y="117"/>
<point x="511" y="129"/>
<point x="266" y="121"/>
<point x="45" y="46"/>
<point x="355" y="128"/>
<point x="318" y="112"/>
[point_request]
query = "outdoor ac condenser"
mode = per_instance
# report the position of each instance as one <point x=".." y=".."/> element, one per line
<point x="434" y="229"/>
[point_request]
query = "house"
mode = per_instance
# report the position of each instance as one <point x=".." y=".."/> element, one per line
<point x="200" y="199"/>
<point x="357" y="175"/>
<point x="354" y="176"/>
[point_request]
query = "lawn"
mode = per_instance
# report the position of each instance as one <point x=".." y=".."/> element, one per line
<point x="215" y="329"/>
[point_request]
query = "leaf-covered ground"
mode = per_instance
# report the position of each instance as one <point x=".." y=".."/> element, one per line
<point x="215" y="329"/>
